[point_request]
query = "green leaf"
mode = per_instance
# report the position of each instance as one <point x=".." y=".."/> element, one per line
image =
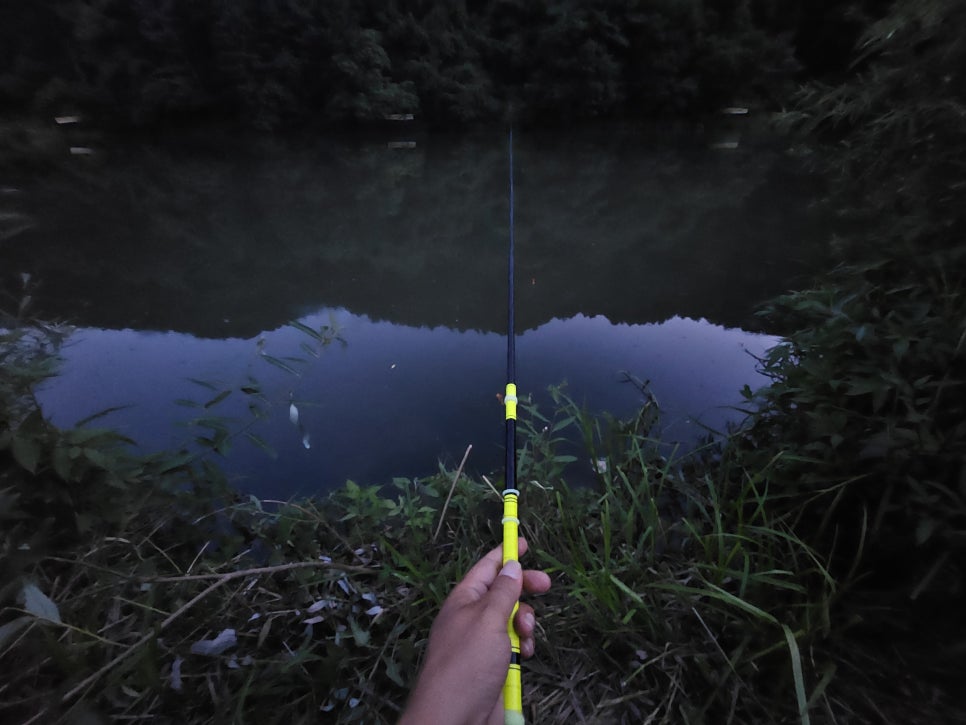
<point x="307" y="330"/>
<point x="561" y="424"/>
<point x="107" y="411"/>
<point x="393" y="672"/>
<point x="213" y="422"/>
<point x="99" y="459"/>
<point x="279" y="364"/>
<point x="258" y="441"/>
<point x="797" y="674"/>
<point x="309" y="349"/>
<point x="223" y="443"/>
<point x="95" y="436"/>
<point x="865" y="386"/>
<point x="217" y="399"/>
<point x="26" y="451"/>
<point x="10" y="629"/>
<point x="716" y="592"/>
<point x="925" y="529"/>
<point x="360" y="635"/>
<point x="627" y="590"/>
<point x="204" y="384"/>
<point x="176" y="462"/>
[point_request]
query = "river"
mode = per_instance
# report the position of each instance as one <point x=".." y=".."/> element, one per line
<point x="183" y="260"/>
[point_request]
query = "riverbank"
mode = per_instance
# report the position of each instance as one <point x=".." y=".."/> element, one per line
<point x="142" y="587"/>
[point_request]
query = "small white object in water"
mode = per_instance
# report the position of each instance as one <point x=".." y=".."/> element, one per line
<point x="64" y="120"/>
<point x="293" y="414"/>
<point x="81" y="151"/>
<point x="305" y="441"/>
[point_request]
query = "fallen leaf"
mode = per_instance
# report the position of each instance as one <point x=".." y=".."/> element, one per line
<point x="214" y="647"/>
<point x="39" y="604"/>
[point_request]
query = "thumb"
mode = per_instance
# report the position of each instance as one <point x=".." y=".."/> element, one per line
<point x="505" y="590"/>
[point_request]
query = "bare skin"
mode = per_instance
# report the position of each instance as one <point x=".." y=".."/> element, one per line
<point x="469" y="649"/>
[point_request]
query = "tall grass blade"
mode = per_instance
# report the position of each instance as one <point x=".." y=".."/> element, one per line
<point x="797" y="674"/>
<point x="100" y="414"/>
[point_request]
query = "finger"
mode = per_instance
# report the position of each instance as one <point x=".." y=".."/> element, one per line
<point x="524" y="621"/>
<point x="479" y="578"/>
<point x="535" y="582"/>
<point x="527" y="647"/>
<point x="504" y="593"/>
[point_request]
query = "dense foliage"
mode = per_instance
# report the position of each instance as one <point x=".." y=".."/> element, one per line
<point x="298" y="61"/>
<point x="869" y="394"/>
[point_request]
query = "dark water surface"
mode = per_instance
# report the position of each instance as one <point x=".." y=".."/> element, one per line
<point x="184" y="258"/>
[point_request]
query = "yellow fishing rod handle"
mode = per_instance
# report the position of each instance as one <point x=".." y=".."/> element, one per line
<point x="513" y="686"/>
<point x="510" y="401"/>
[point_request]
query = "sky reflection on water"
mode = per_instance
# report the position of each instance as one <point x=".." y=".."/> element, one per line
<point x="395" y="399"/>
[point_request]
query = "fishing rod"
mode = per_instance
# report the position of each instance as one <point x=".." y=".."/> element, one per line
<point x="512" y="687"/>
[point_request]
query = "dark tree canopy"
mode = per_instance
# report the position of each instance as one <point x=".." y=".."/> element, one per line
<point x="295" y="62"/>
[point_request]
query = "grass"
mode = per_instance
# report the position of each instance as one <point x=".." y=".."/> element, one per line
<point x="680" y="595"/>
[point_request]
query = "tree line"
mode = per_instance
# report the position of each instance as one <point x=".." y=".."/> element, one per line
<point x="274" y="63"/>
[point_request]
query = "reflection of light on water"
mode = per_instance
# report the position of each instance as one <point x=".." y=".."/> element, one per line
<point x="394" y="399"/>
<point x="695" y="368"/>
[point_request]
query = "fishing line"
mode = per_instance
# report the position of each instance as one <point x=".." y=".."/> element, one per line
<point x="512" y="688"/>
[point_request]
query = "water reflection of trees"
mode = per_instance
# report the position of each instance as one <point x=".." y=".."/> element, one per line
<point x="218" y="236"/>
